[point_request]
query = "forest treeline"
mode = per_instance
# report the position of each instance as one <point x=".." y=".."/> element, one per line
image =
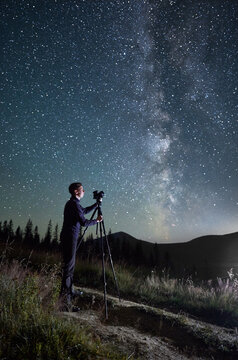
<point x="29" y="236"/>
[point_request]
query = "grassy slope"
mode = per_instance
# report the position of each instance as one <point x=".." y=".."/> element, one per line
<point x="216" y="301"/>
<point x="29" y="325"/>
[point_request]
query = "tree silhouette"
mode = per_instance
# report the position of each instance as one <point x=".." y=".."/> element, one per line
<point x="48" y="235"/>
<point x="28" y="235"/>
<point x="5" y="231"/>
<point x="55" y="241"/>
<point x="18" y="235"/>
<point x="36" y="237"/>
<point x="10" y="230"/>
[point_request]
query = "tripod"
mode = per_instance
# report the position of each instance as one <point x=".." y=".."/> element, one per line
<point x="102" y="238"/>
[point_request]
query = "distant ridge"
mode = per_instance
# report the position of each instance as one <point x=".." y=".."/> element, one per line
<point x="206" y="256"/>
<point x="121" y="234"/>
<point x="205" y="237"/>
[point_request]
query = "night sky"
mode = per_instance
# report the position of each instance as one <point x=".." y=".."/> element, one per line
<point x="137" y="98"/>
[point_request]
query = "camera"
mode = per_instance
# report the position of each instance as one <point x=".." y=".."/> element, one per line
<point x="98" y="195"/>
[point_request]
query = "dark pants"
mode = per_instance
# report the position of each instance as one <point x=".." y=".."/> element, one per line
<point x="69" y="246"/>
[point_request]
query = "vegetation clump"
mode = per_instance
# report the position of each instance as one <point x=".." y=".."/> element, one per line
<point x="215" y="300"/>
<point x="29" y="325"/>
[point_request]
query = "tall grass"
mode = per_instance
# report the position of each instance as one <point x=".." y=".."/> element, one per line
<point x="214" y="300"/>
<point x="29" y="325"/>
<point x="221" y="293"/>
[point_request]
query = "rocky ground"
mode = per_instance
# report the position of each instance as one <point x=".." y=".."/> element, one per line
<point x="146" y="333"/>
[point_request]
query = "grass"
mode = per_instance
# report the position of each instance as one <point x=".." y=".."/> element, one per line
<point x="215" y="301"/>
<point x="29" y="325"/>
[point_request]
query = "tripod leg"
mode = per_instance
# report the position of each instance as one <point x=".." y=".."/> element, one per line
<point x="110" y="257"/>
<point x="104" y="273"/>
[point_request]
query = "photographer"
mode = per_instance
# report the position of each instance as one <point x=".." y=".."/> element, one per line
<point x="73" y="219"/>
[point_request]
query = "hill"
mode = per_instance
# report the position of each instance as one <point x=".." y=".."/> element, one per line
<point x="207" y="256"/>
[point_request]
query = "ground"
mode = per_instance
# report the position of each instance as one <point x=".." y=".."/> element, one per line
<point x="147" y="333"/>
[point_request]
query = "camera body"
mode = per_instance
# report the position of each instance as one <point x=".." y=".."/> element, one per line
<point x="98" y="195"/>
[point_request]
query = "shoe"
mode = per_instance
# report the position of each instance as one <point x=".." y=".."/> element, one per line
<point x="77" y="293"/>
<point x="75" y="309"/>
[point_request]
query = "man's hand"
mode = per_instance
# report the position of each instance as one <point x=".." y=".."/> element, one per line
<point x="99" y="218"/>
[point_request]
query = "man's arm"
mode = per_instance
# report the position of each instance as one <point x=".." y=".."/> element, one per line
<point x="81" y="218"/>
<point x="89" y="208"/>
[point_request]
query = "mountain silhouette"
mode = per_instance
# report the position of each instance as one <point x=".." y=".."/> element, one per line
<point x="205" y="257"/>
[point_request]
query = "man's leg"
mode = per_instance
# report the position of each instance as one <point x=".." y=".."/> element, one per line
<point x="69" y="254"/>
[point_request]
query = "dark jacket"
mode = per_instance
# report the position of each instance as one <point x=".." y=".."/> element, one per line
<point x="74" y="218"/>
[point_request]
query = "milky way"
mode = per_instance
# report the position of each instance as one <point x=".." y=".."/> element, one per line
<point x="135" y="98"/>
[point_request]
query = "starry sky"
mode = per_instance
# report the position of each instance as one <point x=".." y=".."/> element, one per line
<point x="137" y="98"/>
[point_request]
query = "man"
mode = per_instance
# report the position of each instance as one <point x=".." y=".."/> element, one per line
<point x="73" y="219"/>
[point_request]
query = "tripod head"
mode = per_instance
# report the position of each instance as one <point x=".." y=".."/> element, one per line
<point x="98" y="195"/>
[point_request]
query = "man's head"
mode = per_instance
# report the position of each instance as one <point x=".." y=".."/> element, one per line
<point x="76" y="189"/>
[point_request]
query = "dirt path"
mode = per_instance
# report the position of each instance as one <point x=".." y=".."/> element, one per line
<point x="147" y="333"/>
<point x="129" y="340"/>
